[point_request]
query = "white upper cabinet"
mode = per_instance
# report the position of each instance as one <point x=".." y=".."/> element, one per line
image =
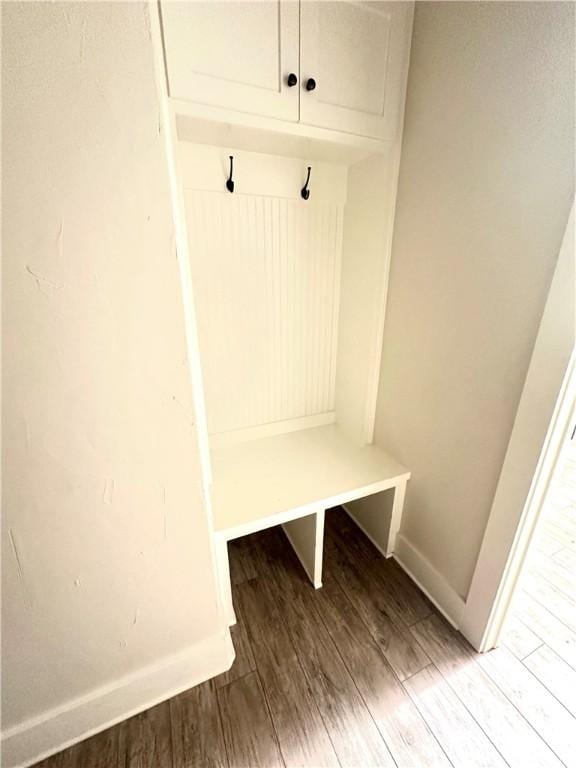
<point x="357" y="55"/>
<point x="261" y="57"/>
<point x="236" y="55"/>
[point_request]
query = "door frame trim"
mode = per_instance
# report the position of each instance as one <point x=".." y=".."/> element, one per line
<point x="542" y="426"/>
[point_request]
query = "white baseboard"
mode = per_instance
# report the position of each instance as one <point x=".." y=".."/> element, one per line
<point x="430" y="581"/>
<point x="422" y="573"/>
<point x="39" y="737"/>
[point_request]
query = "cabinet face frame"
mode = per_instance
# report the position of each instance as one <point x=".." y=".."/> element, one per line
<point x="280" y="102"/>
<point x="383" y="123"/>
<point x="169" y="112"/>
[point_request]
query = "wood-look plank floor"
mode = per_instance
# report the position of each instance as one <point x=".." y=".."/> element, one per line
<point x="541" y="634"/>
<point x="363" y="672"/>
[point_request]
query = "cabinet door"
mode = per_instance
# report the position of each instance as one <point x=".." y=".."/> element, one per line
<point x="235" y="54"/>
<point x="358" y="53"/>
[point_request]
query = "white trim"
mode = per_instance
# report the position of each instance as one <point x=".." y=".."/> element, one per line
<point x="431" y="582"/>
<point x="421" y="571"/>
<point x="252" y="526"/>
<point x="368" y="145"/>
<point x="319" y="549"/>
<point x="224" y="573"/>
<point x="39" y="737"/>
<point x="168" y="129"/>
<point x="557" y="438"/>
<point x="396" y="517"/>
<point x="170" y="138"/>
<point x="539" y="428"/>
<point x="273" y="428"/>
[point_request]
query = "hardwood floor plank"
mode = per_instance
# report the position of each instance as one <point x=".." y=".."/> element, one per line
<point x="421" y="605"/>
<point x="461" y="737"/>
<point x="540" y="708"/>
<point x="196" y="729"/>
<point x="559" y="604"/>
<point x="300" y="729"/>
<point x="406" y="734"/>
<point x="249" y="562"/>
<point x="560" y="534"/>
<point x="248" y="730"/>
<point x="99" y="751"/>
<point x="558" y="677"/>
<point x="547" y="544"/>
<point x="519" y="639"/>
<point x="56" y="761"/>
<point x="356" y="739"/>
<point x="352" y="730"/>
<point x="242" y="566"/>
<point x="548" y="569"/>
<point x="244" y="661"/>
<point x="277" y="561"/>
<point x="567" y="558"/>
<point x="316" y="676"/>
<point x="399" y="590"/>
<point x="564" y="517"/>
<point x="237" y="574"/>
<point x="553" y="632"/>
<point x="516" y="741"/>
<point x="146" y="739"/>
<point x="398" y="645"/>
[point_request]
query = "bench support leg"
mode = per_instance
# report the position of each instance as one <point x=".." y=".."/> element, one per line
<point x="396" y="517"/>
<point x="306" y="535"/>
<point x="225" y="585"/>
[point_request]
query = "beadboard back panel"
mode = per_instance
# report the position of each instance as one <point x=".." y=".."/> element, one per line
<point x="266" y="274"/>
<point x="205" y="167"/>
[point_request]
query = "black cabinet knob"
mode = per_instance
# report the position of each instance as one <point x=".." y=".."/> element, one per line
<point x="292" y="80"/>
<point x="310" y="84"/>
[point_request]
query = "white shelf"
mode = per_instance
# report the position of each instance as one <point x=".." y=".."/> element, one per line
<point x="272" y="480"/>
<point x="200" y="124"/>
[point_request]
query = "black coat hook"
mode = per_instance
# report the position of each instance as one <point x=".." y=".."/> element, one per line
<point x="230" y="182"/>
<point x="305" y="192"/>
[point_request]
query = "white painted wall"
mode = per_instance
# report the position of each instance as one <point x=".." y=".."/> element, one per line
<point x="486" y="184"/>
<point x="107" y="568"/>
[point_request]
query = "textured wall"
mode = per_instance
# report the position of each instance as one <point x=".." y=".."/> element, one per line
<point x="106" y="558"/>
<point x="486" y="182"/>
